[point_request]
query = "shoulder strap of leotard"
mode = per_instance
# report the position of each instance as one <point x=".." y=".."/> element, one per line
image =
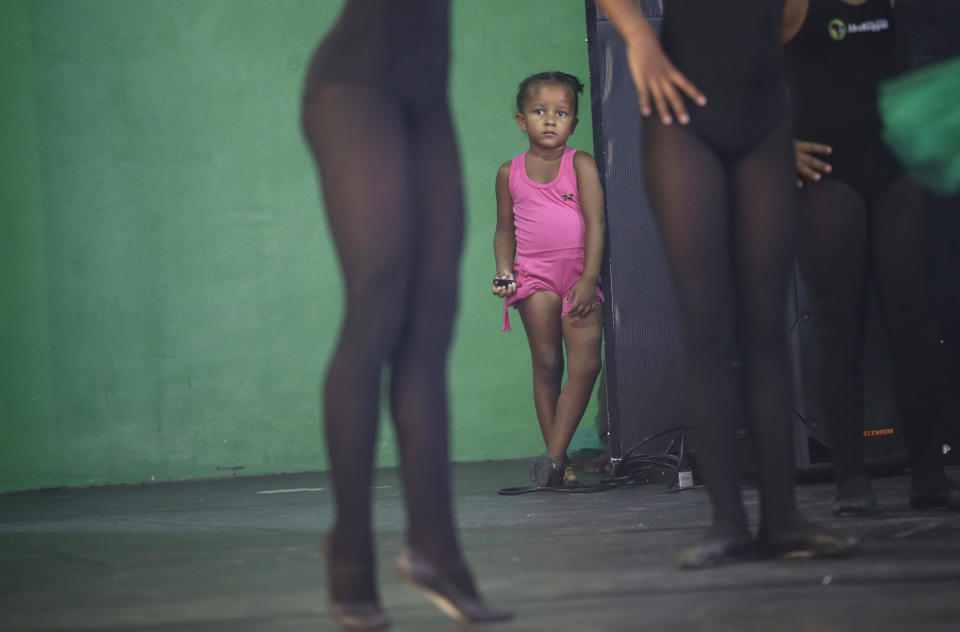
<point x="516" y="175"/>
<point x="568" y="172"/>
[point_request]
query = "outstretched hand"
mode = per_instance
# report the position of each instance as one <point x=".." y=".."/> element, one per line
<point x="657" y="79"/>
<point x="808" y="165"/>
<point x="582" y="298"/>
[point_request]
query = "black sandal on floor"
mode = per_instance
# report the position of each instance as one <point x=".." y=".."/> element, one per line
<point x="566" y="472"/>
<point x="545" y="472"/>
<point x="414" y="570"/>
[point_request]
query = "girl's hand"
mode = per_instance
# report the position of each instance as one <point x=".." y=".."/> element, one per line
<point x="503" y="291"/>
<point x="582" y="298"/>
<point x="809" y="166"/>
<point x="658" y="79"/>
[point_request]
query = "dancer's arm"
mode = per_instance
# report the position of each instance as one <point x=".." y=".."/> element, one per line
<point x="794" y="15"/>
<point x="583" y="295"/>
<point x="504" y="239"/>
<point x="809" y="166"/>
<point x="655" y="76"/>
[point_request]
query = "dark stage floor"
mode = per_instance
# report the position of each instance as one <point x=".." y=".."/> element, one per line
<point x="225" y="556"/>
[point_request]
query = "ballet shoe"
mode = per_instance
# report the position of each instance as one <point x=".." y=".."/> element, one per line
<point x="413" y="569"/>
<point x="937" y="492"/>
<point x="362" y="615"/>
<point x="545" y="471"/>
<point x="717" y="551"/>
<point x="855" y="497"/>
<point x="807" y="542"/>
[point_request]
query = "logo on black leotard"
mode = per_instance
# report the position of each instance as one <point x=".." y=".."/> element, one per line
<point x="837" y="29"/>
<point x="567" y="196"/>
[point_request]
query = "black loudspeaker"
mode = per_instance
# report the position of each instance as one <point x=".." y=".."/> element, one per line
<point x="644" y="405"/>
<point x="641" y="332"/>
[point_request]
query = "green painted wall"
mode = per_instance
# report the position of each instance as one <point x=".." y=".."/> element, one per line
<point x="170" y="291"/>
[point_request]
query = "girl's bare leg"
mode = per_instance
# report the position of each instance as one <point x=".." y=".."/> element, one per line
<point x="541" y="321"/>
<point x="582" y="338"/>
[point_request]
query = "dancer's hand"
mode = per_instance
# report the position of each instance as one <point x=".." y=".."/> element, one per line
<point x="657" y="79"/>
<point x="808" y="165"/>
<point x="582" y="298"/>
<point x="503" y="291"/>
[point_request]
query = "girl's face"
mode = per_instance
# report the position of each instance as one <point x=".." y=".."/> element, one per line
<point x="547" y="115"/>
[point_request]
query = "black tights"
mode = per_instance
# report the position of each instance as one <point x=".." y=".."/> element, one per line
<point x="728" y="232"/>
<point x="391" y="184"/>
<point x="844" y="242"/>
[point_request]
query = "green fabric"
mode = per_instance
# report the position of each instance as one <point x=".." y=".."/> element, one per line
<point x="921" y="120"/>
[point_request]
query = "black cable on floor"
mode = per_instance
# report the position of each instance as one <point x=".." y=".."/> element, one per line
<point x="563" y="489"/>
<point x="631" y="470"/>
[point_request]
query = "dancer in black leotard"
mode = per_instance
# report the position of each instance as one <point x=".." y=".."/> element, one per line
<point x="862" y="219"/>
<point x="376" y="117"/>
<point x="721" y="187"/>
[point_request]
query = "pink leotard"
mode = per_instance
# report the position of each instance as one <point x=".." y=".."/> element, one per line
<point x="550" y="230"/>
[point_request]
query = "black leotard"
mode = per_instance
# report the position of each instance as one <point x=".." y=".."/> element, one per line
<point x="402" y="47"/>
<point x="741" y="76"/>
<point x="836" y="61"/>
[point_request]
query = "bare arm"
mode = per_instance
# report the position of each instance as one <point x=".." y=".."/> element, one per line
<point x="653" y="73"/>
<point x="794" y="15"/>
<point x="591" y="203"/>
<point x="583" y="295"/>
<point x="504" y="238"/>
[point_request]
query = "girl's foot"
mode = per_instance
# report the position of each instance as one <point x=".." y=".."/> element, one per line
<point x="569" y="476"/>
<point x="935" y="492"/>
<point x="451" y="589"/>
<point x="353" y="594"/>
<point x="804" y="540"/>
<point x="545" y="471"/>
<point x="719" y="548"/>
<point x="855" y="497"/>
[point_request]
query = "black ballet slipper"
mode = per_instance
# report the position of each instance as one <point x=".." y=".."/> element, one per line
<point x="717" y="551"/>
<point x="462" y="604"/>
<point x="937" y="492"/>
<point x="545" y="472"/>
<point x="353" y="597"/>
<point x="855" y="497"/>
<point x="361" y="616"/>
<point x="807" y="542"/>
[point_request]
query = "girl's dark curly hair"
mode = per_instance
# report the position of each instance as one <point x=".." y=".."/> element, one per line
<point x="549" y="77"/>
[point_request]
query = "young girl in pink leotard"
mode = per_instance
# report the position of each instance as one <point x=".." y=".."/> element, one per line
<point x="548" y="247"/>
